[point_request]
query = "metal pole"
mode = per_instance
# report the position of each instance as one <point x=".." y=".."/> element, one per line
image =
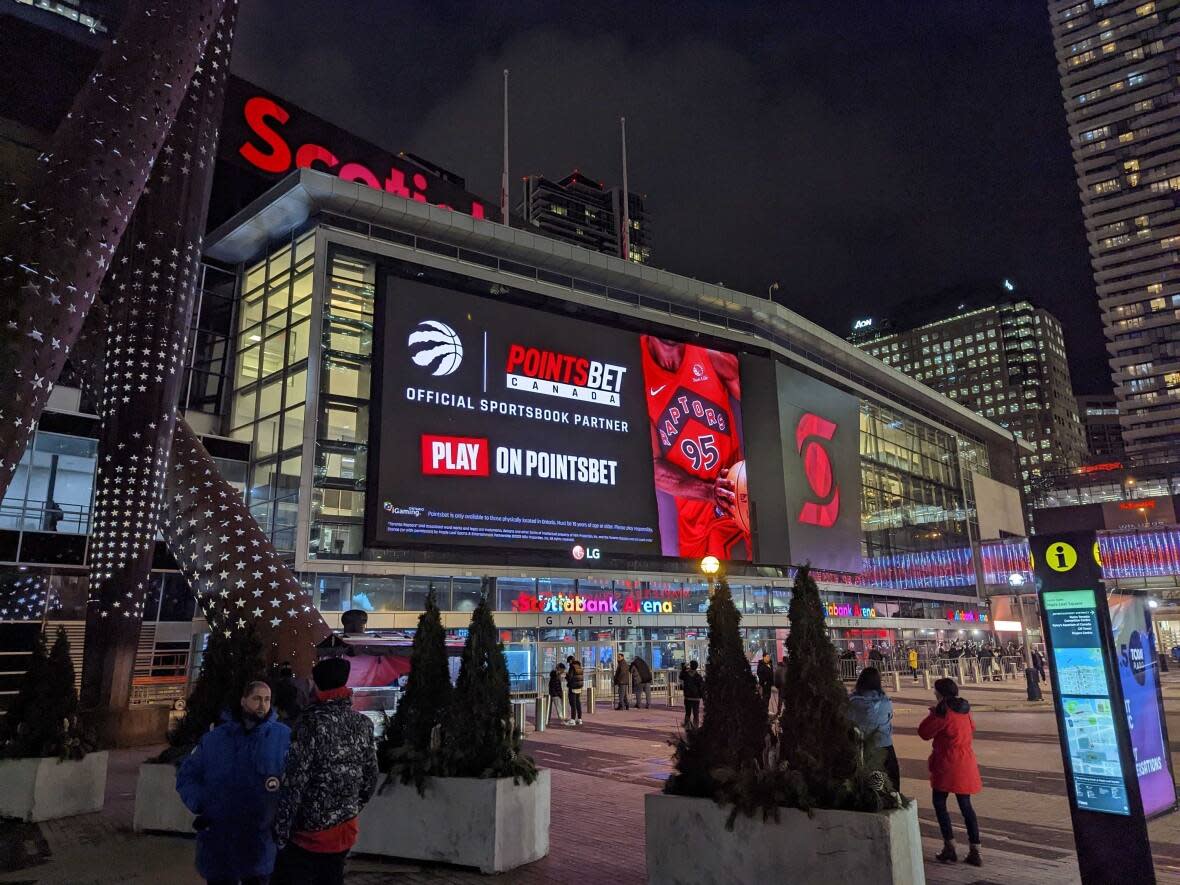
<point x="626" y="242"/>
<point x="504" y="174"/>
<point x="1023" y="631"/>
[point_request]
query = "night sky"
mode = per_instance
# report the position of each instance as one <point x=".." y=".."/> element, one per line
<point x="859" y="153"/>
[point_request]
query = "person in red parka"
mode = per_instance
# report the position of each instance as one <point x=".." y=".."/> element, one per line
<point x="953" y="768"/>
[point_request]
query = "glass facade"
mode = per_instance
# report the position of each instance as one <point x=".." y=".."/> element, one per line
<point x="398" y="593"/>
<point x="52" y="486"/>
<point x="913" y="496"/>
<point x="342" y="415"/>
<point x="210" y="340"/>
<point x="269" y="402"/>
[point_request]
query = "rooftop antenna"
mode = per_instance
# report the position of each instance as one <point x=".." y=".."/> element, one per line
<point x="504" y="174"/>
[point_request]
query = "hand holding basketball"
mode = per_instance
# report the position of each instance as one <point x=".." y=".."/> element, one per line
<point x="723" y="491"/>
<point x="740" y="504"/>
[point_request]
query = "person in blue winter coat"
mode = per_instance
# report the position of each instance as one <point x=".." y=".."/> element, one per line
<point x="872" y="712"/>
<point x="231" y="782"/>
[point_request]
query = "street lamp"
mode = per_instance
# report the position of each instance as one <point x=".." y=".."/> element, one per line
<point x="771" y="289"/>
<point x="710" y="566"/>
<point x="1016" y="580"/>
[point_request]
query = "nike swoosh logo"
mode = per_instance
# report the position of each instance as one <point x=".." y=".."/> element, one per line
<point x="654" y="391"/>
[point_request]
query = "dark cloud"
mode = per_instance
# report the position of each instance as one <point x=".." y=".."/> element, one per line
<point x="859" y="153"/>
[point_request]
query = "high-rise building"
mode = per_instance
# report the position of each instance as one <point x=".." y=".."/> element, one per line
<point x="1005" y="361"/>
<point x="1104" y="433"/>
<point x="582" y="211"/>
<point x="1119" y="73"/>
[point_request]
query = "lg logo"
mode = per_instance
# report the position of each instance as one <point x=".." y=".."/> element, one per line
<point x="579" y="552"/>
<point x="811" y="434"/>
<point x="436" y="346"/>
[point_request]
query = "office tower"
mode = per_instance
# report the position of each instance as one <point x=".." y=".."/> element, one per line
<point x="1119" y="82"/>
<point x="1005" y="361"/>
<point x="582" y="211"/>
<point x="1104" y="433"/>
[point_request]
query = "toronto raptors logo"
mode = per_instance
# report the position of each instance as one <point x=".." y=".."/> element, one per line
<point x="810" y="435"/>
<point x="436" y="346"/>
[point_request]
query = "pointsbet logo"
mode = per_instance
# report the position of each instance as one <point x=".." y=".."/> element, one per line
<point x="436" y="346"/>
<point x="565" y="375"/>
<point x="811" y="434"/>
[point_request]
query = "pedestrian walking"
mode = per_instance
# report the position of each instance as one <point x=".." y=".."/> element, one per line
<point x="556" y="694"/>
<point x="872" y="712"/>
<point x="231" y="783"/>
<point x="912" y="660"/>
<point x="694" y="689"/>
<point x="331" y="774"/>
<point x="765" y="678"/>
<point x="953" y="768"/>
<point x="780" y="683"/>
<point x="1038" y="662"/>
<point x="641" y="676"/>
<point x="622" y="683"/>
<point x="985" y="657"/>
<point x="573" y="683"/>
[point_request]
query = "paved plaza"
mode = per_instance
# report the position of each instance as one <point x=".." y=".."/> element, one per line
<point x="601" y="772"/>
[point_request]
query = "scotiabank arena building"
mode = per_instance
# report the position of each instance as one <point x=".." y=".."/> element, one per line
<point x="432" y="400"/>
<point x="414" y="398"/>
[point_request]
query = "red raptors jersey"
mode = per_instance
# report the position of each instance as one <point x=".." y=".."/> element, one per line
<point x="695" y="428"/>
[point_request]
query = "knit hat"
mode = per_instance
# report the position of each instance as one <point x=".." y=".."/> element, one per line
<point x="330" y="673"/>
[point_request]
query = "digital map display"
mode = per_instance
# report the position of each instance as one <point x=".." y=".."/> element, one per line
<point x="1096" y="763"/>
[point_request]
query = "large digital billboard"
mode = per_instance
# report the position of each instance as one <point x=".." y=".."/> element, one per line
<point x="1134" y="642"/>
<point x="509" y="426"/>
<point x="819" y="426"/>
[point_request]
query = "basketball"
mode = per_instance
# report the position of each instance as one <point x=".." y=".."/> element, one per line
<point x="741" y="494"/>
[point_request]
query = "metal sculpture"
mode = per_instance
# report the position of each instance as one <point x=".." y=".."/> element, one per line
<point x="149" y="294"/>
<point x="57" y="236"/>
<point x="230" y="564"/>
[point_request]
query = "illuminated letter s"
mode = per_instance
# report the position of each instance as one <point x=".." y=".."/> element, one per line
<point x="817" y="467"/>
<point x="257" y="110"/>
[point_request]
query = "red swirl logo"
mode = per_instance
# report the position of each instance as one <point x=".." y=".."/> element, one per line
<point x="811" y="434"/>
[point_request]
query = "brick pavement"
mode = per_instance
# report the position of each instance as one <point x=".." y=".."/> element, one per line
<point x="600" y="774"/>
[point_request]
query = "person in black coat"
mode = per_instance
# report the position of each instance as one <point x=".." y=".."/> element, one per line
<point x="780" y="681"/>
<point x="1038" y="662"/>
<point x="693" y="684"/>
<point x="641" y="678"/>
<point x="574" y="681"/>
<point x="765" y="677"/>
<point x="556" y="694"/>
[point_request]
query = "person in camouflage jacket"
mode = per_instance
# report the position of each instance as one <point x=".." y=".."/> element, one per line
<point x="331" y="773"/>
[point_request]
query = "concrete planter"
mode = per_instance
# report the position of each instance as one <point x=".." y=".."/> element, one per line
<point x="687" y="844"/>
<point x="494" y="825"/>
<point x="45" y="789"/>
<point x="157" y="804"/>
